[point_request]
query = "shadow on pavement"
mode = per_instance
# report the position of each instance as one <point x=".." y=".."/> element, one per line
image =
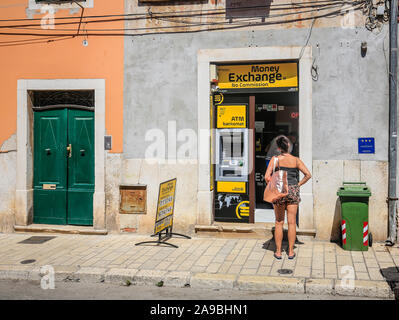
<point x="271" y="244"/>
<point x="391" y="276"/>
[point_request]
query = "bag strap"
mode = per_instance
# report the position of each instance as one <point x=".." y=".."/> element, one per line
<point x="274" y="164"/>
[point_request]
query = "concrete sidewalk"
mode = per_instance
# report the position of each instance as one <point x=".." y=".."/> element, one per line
<point x="237" y="264"/>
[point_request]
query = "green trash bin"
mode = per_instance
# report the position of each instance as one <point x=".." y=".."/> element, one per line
<point x="354" y="197"/>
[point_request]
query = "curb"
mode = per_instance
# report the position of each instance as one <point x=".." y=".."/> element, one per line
<point x="362" y="288"/>
<point x="271" y="284"/>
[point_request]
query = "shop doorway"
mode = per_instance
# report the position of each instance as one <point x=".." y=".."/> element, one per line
<point x="275" y="114"/>
<point x="239" y="192"/>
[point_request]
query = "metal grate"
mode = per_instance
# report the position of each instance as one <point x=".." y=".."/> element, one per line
<point x="36" y="240"/>
<point x="28" y="261"/>
<point x="62" y="97"/>
<point x="284" y="271"/>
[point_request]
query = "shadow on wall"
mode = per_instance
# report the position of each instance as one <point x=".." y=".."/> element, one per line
<point x="247" y="9"/>
<point x="335" y="235"/>
<point x="391" y="276"/>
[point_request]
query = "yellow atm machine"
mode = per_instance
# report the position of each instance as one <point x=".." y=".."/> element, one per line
<point x="232" y="163"/>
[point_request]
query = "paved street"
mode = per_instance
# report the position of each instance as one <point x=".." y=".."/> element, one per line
<point x="243" y="264"/>
<point x="31" y="290"/>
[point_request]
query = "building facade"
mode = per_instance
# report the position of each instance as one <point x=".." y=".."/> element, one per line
<point x="156" y="91"/>
<point x="50" y="70"/>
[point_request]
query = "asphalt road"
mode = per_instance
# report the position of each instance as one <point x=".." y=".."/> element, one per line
<point x="31" y="290"/>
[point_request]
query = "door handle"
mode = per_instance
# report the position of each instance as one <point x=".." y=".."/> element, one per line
<point x="69" y="149"/>
<point x="48" y="151"/>
<point x="82" y="152"/>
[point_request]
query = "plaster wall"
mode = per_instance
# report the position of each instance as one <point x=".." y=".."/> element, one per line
<point x="350" y="99"/>
<point x="350" y="96"/>
<point x="327" y="178"/>
<point x="8" y="158"/>
<point x="149" y="172"/>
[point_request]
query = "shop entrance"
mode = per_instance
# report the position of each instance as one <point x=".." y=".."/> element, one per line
<point x="252" y="106"/>
<point x="275" y="114"/>
<point x="242" y="154"/>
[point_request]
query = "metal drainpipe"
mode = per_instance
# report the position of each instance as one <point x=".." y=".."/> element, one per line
<point x="393" y="76"/>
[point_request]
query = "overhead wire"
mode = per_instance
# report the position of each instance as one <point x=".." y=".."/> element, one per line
<point x="239" y="24"/>
<point x="36" y="41"/>
<point x="326" y="15"/>
<point x="278" y="6"/>
<point x="194" y="24"/>
<point x="157" y="27"/>
<point x="146" y="16"/>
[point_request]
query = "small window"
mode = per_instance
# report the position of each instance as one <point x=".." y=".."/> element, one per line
<point x="44" y="98"/>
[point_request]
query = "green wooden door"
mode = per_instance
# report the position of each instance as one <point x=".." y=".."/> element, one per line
<point x="80" y="167"/>
<point x="63" y="167"/>
<point x="50" y="167"/>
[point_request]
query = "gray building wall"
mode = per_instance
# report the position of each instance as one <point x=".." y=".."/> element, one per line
<point x="350" y="97"/>
<point x="350" y="100"/>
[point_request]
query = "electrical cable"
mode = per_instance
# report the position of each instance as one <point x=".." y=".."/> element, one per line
<point x="37" y="42"/>
<point x="326" y="15"/>
<point x="339" y="12"/>
<point x="189" y="23"/>
<point x="240" y="25"/>
<point x="154" y="15"/>
<point x="31" y="39"/>
<point x="307" y="39"/>
<point x="281" y="6"/>
<point x="81" y="17"/>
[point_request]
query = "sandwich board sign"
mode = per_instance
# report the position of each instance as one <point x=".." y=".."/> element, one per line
<point x="165" y="207"/>
<point x="164" y="214"/>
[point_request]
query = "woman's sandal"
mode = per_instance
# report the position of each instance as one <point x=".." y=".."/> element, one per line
<point x="292" y="257"/>
<point x="277" y="257"/>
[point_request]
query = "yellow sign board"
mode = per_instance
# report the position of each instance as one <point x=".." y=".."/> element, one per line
<point x="231" y="187"/>
<point x="163" y="224"/>
<point x="211" y="143"/>
<point x="166" y="201"/>
<point x="231" y="116"/>
<point x="268" y="75"/>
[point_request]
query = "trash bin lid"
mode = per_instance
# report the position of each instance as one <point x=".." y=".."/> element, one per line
<point x="354" y="189"/>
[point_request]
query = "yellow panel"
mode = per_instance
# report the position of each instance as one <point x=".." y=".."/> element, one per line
<point x="231" y="187"/>
<point x="271" y="75"/>
<point x="166" y="202"/>
<point x="232" y="116"/>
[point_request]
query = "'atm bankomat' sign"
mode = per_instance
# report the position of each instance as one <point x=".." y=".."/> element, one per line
<point x="270" y="75"/>
<point x="231" y="116"/>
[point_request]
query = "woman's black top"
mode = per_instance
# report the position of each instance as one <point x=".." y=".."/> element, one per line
<point x="292" y="175"/>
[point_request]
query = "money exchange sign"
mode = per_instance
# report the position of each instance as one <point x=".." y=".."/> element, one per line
<point x="268" y="75"/>
<point x="165" y="208"/>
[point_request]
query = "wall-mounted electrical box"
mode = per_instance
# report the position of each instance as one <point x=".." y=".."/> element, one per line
<point x="133" y="199"/>
<point x="107" y="142"/>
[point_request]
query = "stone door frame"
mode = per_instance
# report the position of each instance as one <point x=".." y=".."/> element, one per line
<point x="249" y="55"/>
<point x="24" y="183"/>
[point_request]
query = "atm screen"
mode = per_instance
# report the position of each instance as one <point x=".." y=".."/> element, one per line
<point x="232" y="145"/>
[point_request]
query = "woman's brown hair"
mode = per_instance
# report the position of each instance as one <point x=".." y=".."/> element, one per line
<point x="283" y="143"/>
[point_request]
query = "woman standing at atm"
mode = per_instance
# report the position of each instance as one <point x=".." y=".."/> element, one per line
<point x="290" y="202"/>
